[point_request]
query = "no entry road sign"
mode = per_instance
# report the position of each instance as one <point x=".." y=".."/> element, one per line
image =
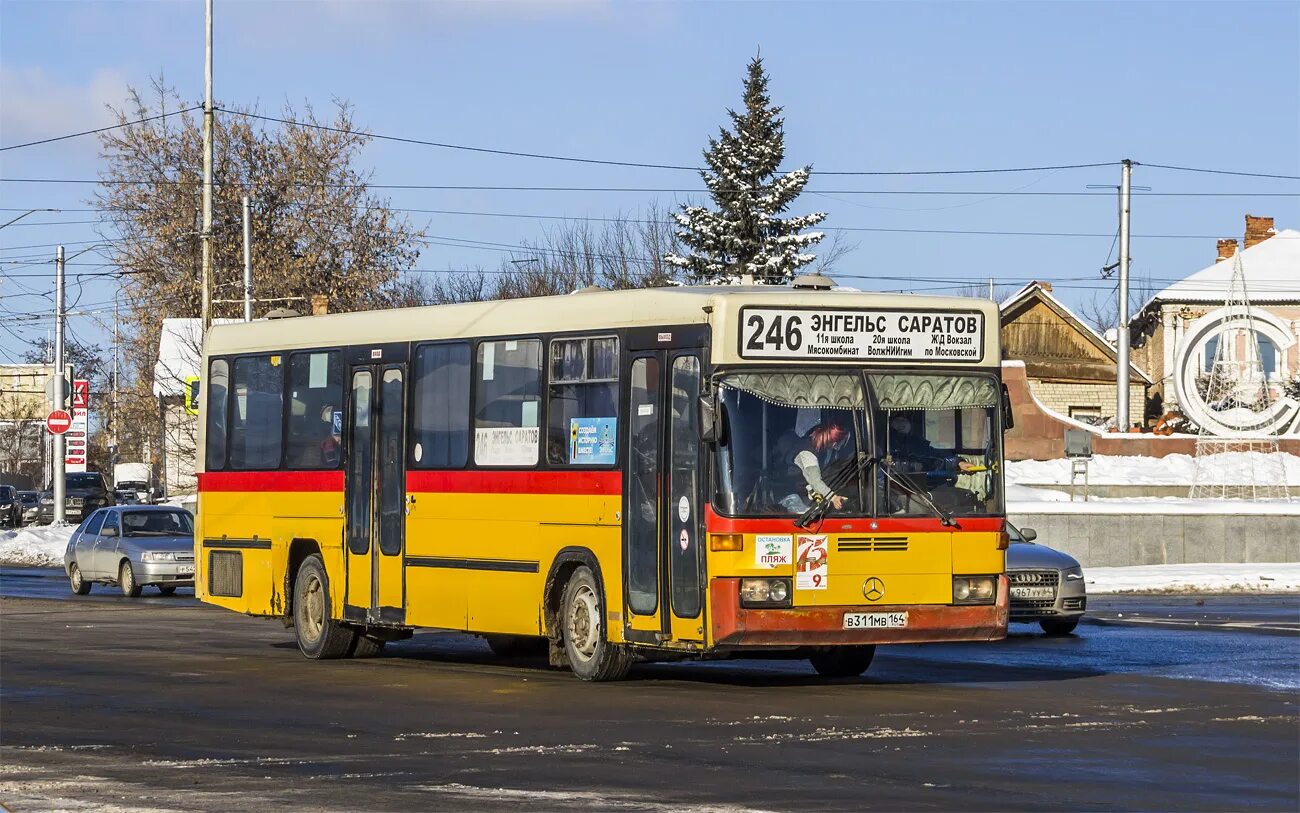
<point x="58" y="422"/>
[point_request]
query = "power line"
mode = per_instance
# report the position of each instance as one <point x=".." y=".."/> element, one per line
<point x="1223" y="172"/>
<point x="101" y="129"/>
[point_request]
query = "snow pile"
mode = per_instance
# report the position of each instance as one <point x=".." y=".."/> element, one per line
<point x="1265" y="577"/>
<point x="38" y="546"/>
<point x="1171" y="470"/>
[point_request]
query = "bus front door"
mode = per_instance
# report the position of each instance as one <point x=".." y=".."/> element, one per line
<point x="663" y="530"/>
<point x="375" y="496"/>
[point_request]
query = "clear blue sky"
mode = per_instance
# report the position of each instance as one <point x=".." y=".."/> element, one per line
<point x="866" y="86"/>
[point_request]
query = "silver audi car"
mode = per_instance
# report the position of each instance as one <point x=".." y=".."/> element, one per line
<point x="132" y="546"/>
<point x="1046" y="584"/>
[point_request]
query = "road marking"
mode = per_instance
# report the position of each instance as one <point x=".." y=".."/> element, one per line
<point x="1174" y="622"/>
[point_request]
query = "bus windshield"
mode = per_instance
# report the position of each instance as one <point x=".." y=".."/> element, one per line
<point x="794" y="439"/>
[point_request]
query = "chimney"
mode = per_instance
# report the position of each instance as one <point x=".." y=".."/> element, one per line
<point x="1227" y="248"/>
<point x="1258" y="229"/>
<point x="1046" y="286"/>
<point x="320" y="304"/>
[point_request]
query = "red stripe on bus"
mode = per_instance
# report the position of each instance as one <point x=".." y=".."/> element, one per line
<point x="608" y="483"/>
<point x="271" y="481"/>
<point x="881" y="525"/>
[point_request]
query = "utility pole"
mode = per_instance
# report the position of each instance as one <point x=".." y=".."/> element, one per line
<point x="112" y="394"/>
<point x="248" y="264"/>
<point x="59" y="487"/>
<point x="1122" y="422"/>
<point x="206" y="235"/>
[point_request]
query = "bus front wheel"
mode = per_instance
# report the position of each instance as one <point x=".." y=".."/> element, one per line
<point x="319" y="636"/>
<point x="591" y="655"/>
<point x="842" y="661"/>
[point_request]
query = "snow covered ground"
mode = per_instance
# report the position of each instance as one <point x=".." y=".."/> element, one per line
<point x="35" y="546"/>
<point x="1172" y="470"/>
<point x="1202" y="578"/>
<point x="1025" y="500"/>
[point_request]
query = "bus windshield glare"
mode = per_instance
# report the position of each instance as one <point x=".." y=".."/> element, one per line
<point x="794" y="439"/>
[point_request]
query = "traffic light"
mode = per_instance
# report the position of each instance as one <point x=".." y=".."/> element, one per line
<point x="192" y="388"/>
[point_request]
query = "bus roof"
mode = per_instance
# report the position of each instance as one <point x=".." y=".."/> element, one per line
<point x="588" y="310"/>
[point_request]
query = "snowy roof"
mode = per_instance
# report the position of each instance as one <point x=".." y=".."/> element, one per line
<point x="1272" y="269"/>
<point x="1040" y="290"/>
<point x="180" y="346"/>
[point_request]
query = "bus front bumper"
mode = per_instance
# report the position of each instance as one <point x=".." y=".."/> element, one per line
<point x="734" y="625"/>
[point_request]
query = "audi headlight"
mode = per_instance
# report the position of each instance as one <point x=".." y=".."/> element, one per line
<point x="974" y="589"/>
<point x="1073" y="574"/>
<point x="47" y="501"/>
<point x="158" y="556"/>
<point x="765" y="592"/>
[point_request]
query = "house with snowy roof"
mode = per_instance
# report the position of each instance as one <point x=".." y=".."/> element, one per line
<point x="1176" y="334"/>
<point x="1071" y="368"/>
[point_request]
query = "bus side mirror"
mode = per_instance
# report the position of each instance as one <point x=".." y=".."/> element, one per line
<point x="708" y="419"/>
<point x="1008" y="419"/>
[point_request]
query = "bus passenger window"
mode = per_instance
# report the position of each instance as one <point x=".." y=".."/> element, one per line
<point x="217" y="386"/>
<point x="315" y="411"/>
<point x="508" y="394"/>
<point x="255" y="428"/>
<point x="582" y="402"/>
<point x="440" y="417"/>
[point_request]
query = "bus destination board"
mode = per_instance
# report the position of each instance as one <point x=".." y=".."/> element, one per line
<point x="829" y="334"/>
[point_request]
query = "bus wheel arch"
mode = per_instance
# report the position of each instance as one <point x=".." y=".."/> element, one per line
<point x="563" y="566"/>
<point x="299" y="550"/>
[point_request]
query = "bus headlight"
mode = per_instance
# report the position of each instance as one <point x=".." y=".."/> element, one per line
<point x="974" y="589"/>
<point x="765" y="592"/>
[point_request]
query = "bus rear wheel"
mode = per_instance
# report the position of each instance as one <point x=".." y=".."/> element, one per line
<point x="591" y="655"/>
<point x="842" y="661"/>
<point x="319" y="636"/>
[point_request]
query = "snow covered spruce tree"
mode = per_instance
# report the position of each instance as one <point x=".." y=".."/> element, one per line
<point x="745" y="236"/>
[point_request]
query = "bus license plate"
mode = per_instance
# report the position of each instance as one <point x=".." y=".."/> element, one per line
<point x="874" y="621"/>
<point x="1033" y="592"/>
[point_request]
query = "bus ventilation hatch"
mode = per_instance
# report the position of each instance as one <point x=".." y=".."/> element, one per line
<point x="226" y="573"/>
<point x="870" y="544"/>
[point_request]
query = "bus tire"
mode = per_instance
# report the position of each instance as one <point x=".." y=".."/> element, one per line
<point x="582" y="612"/>
<point x="319" y="636"/>
<point x="367" y="646"/>
<point x="842" y="661"/>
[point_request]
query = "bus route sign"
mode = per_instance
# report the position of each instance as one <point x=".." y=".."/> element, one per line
<point x="831" y="334"/>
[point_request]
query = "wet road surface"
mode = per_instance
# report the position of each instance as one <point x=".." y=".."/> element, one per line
<point x="131" y="705"/>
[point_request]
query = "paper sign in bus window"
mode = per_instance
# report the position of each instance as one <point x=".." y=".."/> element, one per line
<point x="772" y="550"/>
<point x="591" y="440"/>
<point x="811" y="568"/>
<point x="506" y="446"/>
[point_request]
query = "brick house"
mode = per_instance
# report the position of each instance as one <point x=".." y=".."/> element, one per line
<point x="1070" y="367"/>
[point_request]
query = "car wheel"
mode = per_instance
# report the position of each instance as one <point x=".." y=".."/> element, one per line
<point x="79" y="585"/>
<point x="319" y="636"/>
<point x="1052" y="627"/>
<point x="591" y="656"/>
<point x="167" y="589"/>
<point x="842" y="661"/>
<point x="126" y="579"/>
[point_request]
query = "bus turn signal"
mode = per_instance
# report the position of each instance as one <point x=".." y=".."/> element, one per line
<point x="726" y="541"/>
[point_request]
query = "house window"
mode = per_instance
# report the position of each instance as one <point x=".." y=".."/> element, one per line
<point x="1267" y="354"/>
<point x="1087" y="414"/>
<point x="1211" y="351"/>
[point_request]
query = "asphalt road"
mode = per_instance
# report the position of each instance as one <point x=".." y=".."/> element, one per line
<point x="163" y="704"/>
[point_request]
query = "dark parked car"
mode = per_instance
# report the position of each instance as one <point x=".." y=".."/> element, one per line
<point x="86" y="491"/>
<point x="1046" y="584"/>
<point x="132" y="546"/>
<point x="11" y="510"/>
<point x="31" y="502"/>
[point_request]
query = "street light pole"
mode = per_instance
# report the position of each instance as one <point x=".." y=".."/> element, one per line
<point x="1122" y="422"/>
<point x="59" y="488"/>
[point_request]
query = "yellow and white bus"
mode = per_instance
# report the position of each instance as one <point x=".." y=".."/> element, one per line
<point x="621" y="475"/>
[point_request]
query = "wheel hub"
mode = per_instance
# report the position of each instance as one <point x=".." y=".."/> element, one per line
<point x="584" y="623"/>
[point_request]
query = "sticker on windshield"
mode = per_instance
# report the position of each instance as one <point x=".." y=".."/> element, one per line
<point x="772" y="550"/>
<point x="811" y="568"/>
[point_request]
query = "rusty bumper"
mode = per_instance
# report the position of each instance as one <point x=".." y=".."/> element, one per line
<point x="820" y="626"/>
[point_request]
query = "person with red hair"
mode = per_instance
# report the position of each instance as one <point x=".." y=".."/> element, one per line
<point x="811" y="454"/>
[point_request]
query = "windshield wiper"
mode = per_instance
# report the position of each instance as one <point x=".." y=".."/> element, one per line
<point x="944" y="517"/>
<point x="842" y="478"/>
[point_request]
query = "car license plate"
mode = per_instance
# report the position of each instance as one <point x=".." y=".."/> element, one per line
<point x="185" y="570"/>
<point x="874" y="621"/>
<point x="1033" y="592"/>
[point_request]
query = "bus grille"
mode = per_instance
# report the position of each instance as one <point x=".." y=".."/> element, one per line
<point x="872" y="544"/>
<point x="226" y="573"/>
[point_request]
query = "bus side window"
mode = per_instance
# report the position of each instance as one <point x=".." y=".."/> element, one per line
<point x="440" y="413"/>
<point x="582" y="402"/>
<point x="315" y="411"/>
<point x="508" y="397"/>
<point x="256" y="420"/>
<point x="217" y="385"/>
